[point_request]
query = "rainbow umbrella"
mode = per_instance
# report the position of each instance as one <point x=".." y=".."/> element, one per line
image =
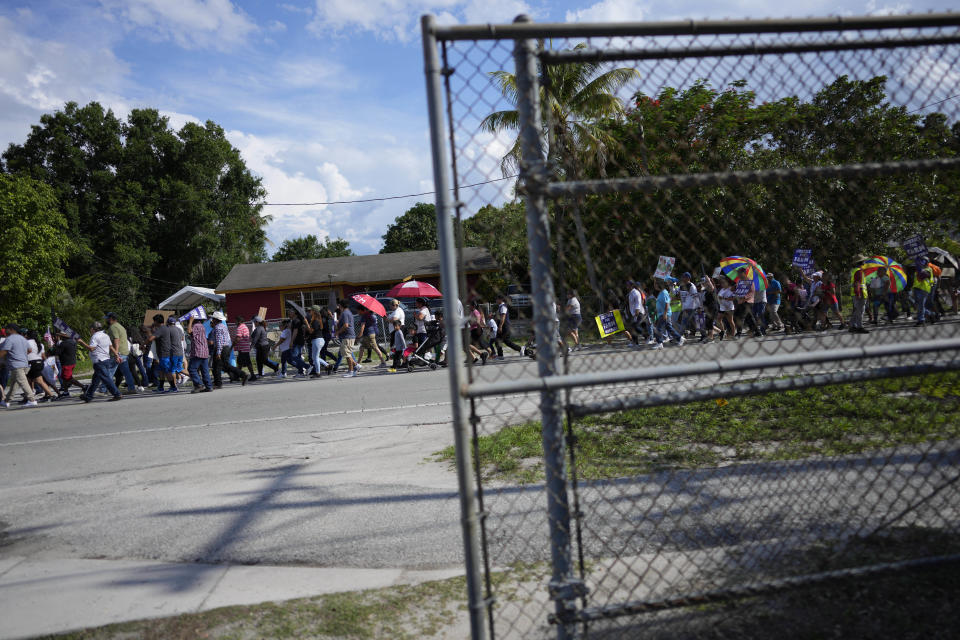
<point x="895" y="271"/>
<point x="738" y="267"/>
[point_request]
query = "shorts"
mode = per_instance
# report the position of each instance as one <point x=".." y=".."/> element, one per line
<point x="346" y="347"/>
<point x="172" y="364"/>
<point x="368" y="342"/>
<point x="36" y="369"/>
<point x="574" y="322"/>
<point x="66" y="371"/>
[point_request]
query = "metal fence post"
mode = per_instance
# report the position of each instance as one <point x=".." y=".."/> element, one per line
<point x="448" y="279"/>
<point x="563" y="587"/>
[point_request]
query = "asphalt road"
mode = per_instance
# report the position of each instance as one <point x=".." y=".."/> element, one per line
<point x="332" y="472"/>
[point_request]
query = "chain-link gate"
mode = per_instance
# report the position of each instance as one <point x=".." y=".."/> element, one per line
<point x="723" y="391"/>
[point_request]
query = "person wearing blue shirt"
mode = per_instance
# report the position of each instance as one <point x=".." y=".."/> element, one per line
<point x="774" y="290"/>
<point x="664" y="325"/>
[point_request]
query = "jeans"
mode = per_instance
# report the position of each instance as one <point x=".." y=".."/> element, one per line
<point x="124" y="369"/>
<point x="223" y="364"/>
<point x="148" y="363"/>
<point x="137" y="362"/>
<point x="664" y="329"/>
<point x="316" y="347"/>
<point x="856" y="318"/>
<point x="759" y="315"/>
<point x="296" y="359"/>
<point x="103" y="373"/>
<point x="263" y="358"/>
<point x="920" y="298"/>
<point x="203" y="365"/>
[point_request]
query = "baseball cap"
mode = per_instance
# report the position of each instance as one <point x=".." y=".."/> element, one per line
<point x="686" y="274"/>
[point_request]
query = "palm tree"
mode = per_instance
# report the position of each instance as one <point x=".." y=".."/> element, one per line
<point x="575" y="100"/>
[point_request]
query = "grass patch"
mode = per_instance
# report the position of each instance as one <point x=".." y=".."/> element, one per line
<point x="403" y="612"/>
<point x="822" y="421"/>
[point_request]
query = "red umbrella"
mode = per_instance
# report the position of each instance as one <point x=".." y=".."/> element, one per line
<point x="414" y="289"/>
<point x="370" y="303"/>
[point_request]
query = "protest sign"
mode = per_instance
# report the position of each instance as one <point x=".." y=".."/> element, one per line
<point x="262" y="313"/>
<point x="63" y="327"/>
<point x="743" y="288"/>
<point x="148" y="316"/>
<point x="664" y="267"/>
<point x="915" y="247"/>
<point x="197" y="312"/>
<point x="803" y="258"/>
<point x="610" y="323"/>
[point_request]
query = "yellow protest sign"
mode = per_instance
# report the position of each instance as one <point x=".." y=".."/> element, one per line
<point x="610" y="323"/>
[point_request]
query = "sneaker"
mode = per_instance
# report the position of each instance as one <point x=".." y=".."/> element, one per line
<point x="139" y="390"/>
<point x="483" y="358"/>
<point x="196" y="390"/>
<point x="243" y="380"/>
<point x="206" y="390"/>
<point x="682" y="341"/>
<point x="499" y="358"/>
<point x="367" y="360"/>
<point x="32" y="403"/>
<point x="651" y="341"/>
<point x="159" y="390"/>
<point x="382" y="365"/>
<point x="115" y="398"/>
<point x="523" y="351"/>
<point x="357" y="368"/>
<point x="309" y="369"/>
<point x="173" y="390"/>
<point x="391" y="370"/>
<point x="352" y="374"/>
<point x="657" y="346"/>
<point x="3" y="403"/>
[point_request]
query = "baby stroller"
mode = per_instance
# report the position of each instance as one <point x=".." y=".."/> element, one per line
<point x="423" y="356"/>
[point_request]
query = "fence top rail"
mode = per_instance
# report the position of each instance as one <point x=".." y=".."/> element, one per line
<point x="707" y="367"/>
<point x="691" y="27"/>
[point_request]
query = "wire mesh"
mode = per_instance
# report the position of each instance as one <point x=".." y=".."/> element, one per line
<point x="752" y="247"/>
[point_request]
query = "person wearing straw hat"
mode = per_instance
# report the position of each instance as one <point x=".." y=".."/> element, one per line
<point x="859" y="296"/>
<point x="222" y="345"/>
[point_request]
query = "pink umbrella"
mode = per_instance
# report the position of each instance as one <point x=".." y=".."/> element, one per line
<point x="414" y="289"/>
<point x="370" y="303"/>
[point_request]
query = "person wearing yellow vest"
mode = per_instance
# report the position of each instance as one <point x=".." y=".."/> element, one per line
<point x="922" y="287"/>
<point x="859" y="296"/>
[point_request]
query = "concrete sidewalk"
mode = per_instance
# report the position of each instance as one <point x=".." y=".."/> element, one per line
<point x="45" y="596"/>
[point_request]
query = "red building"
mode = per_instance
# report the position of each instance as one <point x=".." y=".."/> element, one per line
<point x="270" y="284"/>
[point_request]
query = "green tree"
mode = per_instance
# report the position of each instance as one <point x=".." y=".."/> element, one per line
<point x="503" y="231"/>
<point x="148" y="208"/>
<point x="415" y="230"/>
<point x="34" y="249"/>
<point x="310" y="248"/>
<point x="577" y="102"/>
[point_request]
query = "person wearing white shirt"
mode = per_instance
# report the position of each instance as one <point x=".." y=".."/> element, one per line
<point x="574" y="319"/>
<point x="105" y="362"/>
<point x="637" y="310"/>
<point x="690" y="304"/>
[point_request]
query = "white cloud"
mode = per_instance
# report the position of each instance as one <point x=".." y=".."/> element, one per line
<point x="610" y="11"/>
<point x="875" y="9"/>
<point x="494" y="11"/>
<point x="192" y="24"/>
<point x="306" y="73"/>
<point x="38" y="76"/>
<point x="399" y="19"/>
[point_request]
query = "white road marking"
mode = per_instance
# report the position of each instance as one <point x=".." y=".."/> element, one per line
<point x="223" y="423"/>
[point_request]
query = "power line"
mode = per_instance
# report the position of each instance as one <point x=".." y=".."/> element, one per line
<point x="316" y="204"/>
<point x="934" y="104"/>
<point x="408" y="195"/>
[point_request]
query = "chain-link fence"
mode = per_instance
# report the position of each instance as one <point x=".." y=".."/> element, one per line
<point x="736" y="408"/>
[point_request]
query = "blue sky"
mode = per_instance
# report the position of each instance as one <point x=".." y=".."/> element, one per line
<point x="325" y="99"/>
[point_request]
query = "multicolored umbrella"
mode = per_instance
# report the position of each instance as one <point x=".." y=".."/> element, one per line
<point x="737" y="268"/>
<point x="414" y="289"/>
<point x="895" y="271"/>
<point x="370" y="303"/>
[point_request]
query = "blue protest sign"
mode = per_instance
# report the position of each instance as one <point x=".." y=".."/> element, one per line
<point x="915" y="247"/>
<point x="743" y="288"/>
